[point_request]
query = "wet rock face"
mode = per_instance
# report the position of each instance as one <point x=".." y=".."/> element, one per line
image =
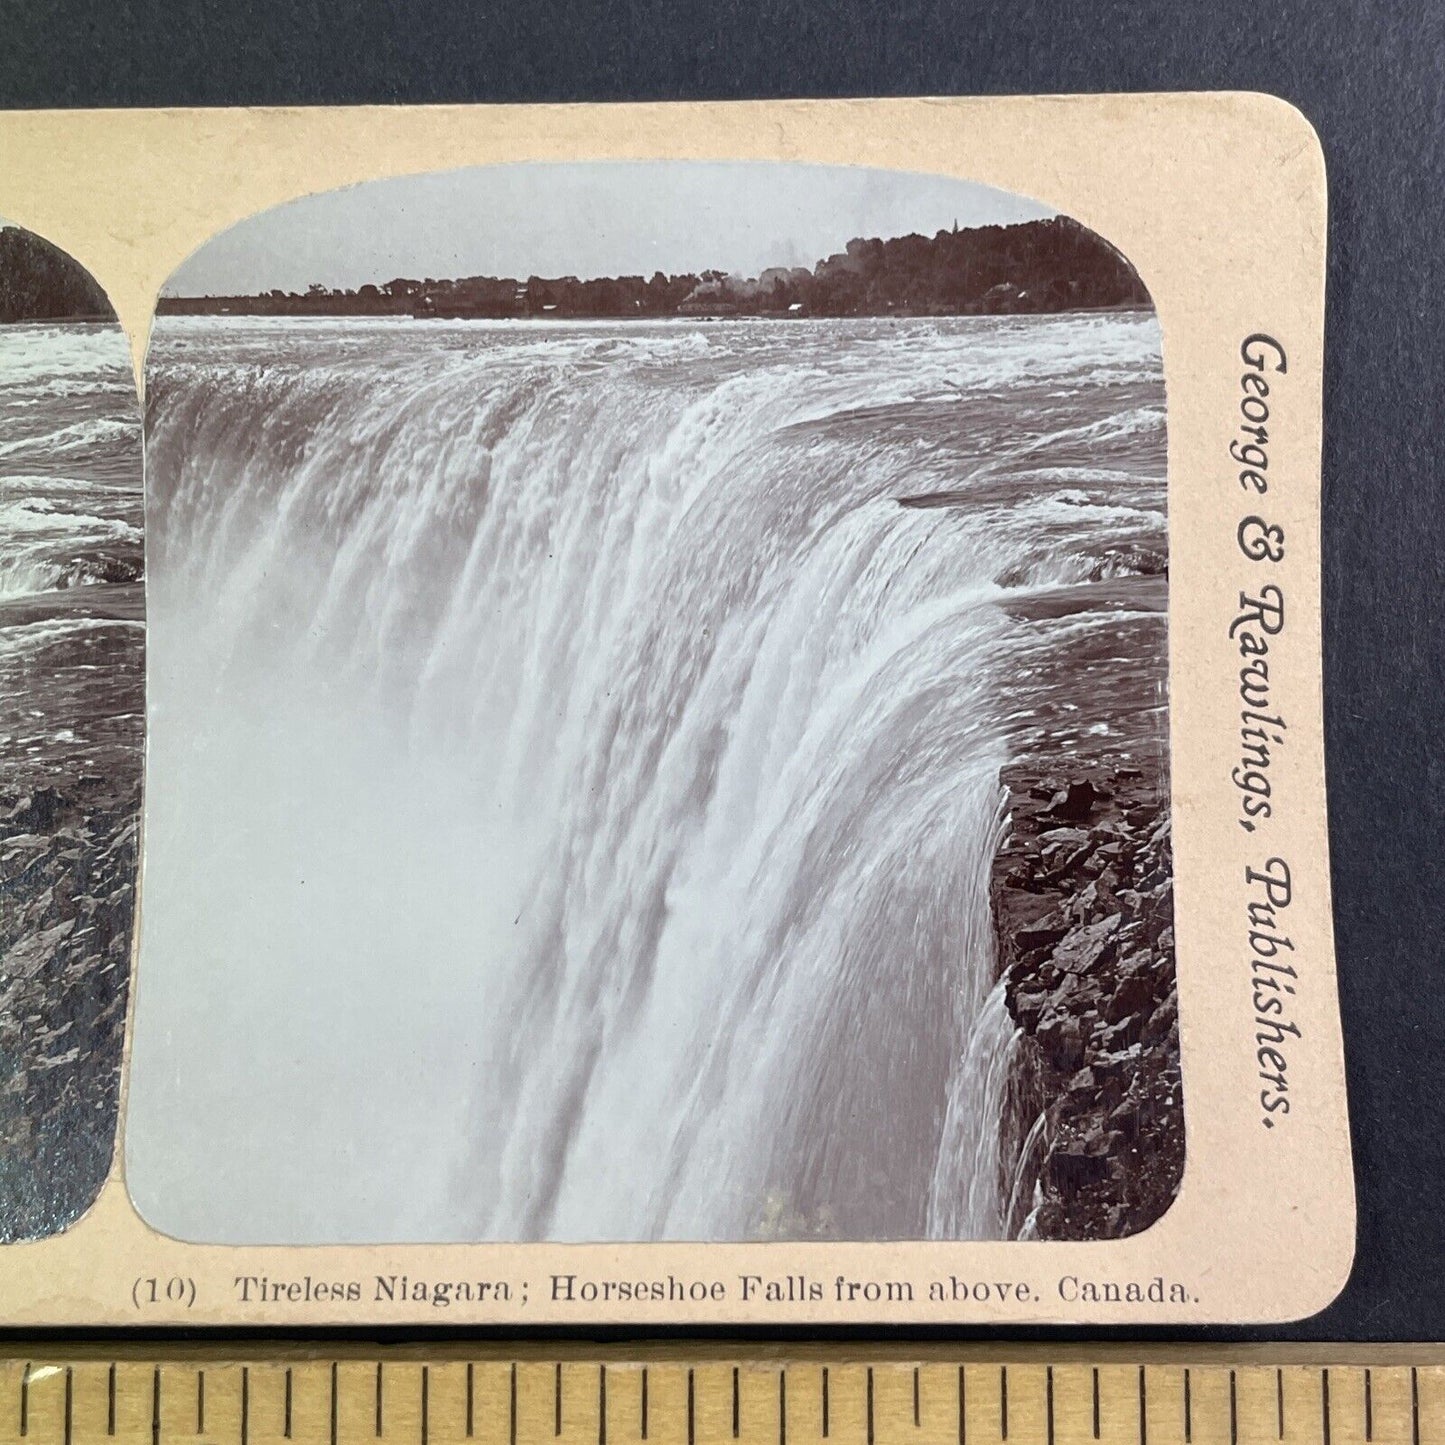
<point x="1083" y="906"/>
<point x="67" y="901"/>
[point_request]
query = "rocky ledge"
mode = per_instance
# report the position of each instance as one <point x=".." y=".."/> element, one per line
<point x="67" y="899"/>
<point x="1083" y="905"/>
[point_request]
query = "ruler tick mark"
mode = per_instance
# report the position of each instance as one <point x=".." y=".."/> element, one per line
<point x="63" y="1393"/>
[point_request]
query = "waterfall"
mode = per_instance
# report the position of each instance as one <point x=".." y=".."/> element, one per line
<point x="969" y="1198"/>
<point x="573" y="776"/>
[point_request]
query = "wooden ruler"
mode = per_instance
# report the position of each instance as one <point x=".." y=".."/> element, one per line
<point x="259" y="1395"/>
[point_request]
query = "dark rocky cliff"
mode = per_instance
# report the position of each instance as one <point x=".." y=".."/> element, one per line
<point x="1083" y="904"/>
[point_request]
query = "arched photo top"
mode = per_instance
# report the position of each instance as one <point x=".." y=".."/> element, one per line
<point x="40" y="282"/>
<point x="652" y="239"/>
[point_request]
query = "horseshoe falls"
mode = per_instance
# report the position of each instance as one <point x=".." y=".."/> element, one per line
<point x="573" y="763"/>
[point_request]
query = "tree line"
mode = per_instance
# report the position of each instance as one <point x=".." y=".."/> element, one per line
<point x="39" y="282"/>
<point x="1035" y="266"/>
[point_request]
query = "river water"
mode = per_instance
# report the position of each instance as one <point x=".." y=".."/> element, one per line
<point x="72" y="647"/>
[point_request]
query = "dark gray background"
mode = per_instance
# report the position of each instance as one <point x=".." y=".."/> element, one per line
<point x="1370" y="75"/>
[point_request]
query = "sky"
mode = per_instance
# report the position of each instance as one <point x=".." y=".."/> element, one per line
<point x="593" y="219"/>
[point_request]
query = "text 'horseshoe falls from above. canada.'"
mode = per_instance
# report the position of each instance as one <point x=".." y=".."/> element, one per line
<point x="575" y="747"/>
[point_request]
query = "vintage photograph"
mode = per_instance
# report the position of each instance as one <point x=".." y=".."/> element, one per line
<point x="72" y="642"/>
<point x="657" y="718"/>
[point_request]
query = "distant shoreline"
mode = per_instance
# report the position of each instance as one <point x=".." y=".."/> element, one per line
<point x="201" y="306"/>
<point x="1034" y="268"/>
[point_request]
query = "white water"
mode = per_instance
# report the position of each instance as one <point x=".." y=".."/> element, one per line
<point x="573" y="777"/>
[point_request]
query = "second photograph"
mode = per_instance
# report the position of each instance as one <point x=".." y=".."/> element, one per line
<point x="657" y="718"/>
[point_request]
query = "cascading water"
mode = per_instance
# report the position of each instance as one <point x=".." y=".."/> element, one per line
<point x="72" y="641"/>
<point x="573" y="775"/>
